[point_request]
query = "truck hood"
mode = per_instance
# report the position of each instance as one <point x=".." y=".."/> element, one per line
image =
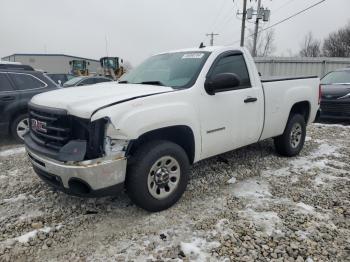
<point x="86" y="100"/>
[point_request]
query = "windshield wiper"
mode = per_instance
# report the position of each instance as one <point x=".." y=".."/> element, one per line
<point x="123" y="82"/>
<point x="156" y="83"/>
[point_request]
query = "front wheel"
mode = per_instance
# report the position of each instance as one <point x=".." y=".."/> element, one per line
<point x="158" y="175"/>
<point x="291" y="142"/>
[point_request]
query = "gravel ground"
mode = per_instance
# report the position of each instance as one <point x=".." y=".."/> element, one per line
<point x="246" y="205"/>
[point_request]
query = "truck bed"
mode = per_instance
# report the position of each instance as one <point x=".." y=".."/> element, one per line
<point x="285" y="78"/>
<point x="281" y="93"/>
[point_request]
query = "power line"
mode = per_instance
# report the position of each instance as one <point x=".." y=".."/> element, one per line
<point x="221" y="23"/>
<point x="215" y="21"/>
<point x="286" y="19"/>
<point x="282" y="6"/>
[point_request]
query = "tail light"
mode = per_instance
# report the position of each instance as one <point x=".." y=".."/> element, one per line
<point x="319" y="94"/>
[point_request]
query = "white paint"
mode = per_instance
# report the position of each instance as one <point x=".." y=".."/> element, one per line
<point x="192" y="107"/>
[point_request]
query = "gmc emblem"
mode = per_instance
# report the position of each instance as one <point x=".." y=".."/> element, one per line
<point x="39" y="126"/>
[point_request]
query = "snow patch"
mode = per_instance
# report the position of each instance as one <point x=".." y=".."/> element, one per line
<point x="305" y="207"/>
<point x="13" y="151"/>
<point x="322" y="179"/>
<point x="267" y="220"/>
<point x="306" y="164"/>
<point x="251" y="189"/>
<point x="30" y="214"/>
<point x="198" y="249"/>
<point x="32" y="234"/>
<point x="326" y="150"/>
<point x="20" y="197"/>
<point x="332" y="125"/>
<point x="278" y="172"/>
<point x="222" y="227"/>
<point x="232" y="180"/>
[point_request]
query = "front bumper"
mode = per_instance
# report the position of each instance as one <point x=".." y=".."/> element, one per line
<point x="98" y="177"/>
<point x="335" y="109"/>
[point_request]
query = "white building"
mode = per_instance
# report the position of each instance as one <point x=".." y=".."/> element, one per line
<point x="51" y="63"/>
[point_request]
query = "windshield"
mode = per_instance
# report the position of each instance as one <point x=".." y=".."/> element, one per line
<point x="336" y="77"/>
<point x="171" y="69"/>
<point x="73" y="81"/>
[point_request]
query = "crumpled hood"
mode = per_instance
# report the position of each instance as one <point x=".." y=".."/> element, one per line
<point x="85" y="100"/>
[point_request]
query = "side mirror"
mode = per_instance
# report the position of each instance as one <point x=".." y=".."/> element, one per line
<point x="221" y="82"/>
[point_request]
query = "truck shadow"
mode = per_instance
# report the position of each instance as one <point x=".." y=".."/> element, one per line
<point x="7" y="141"/>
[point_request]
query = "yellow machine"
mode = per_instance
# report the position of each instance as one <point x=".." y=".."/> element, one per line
<point x="112" y="67"/>
<point x="79" y="67"/>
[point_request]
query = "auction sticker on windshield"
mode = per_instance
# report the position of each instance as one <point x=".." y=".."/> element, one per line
<point x="193" y="56"/>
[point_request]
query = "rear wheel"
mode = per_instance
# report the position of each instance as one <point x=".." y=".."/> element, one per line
<point x="291" y="142"/>
<point x="19" y="127"/>
<point x="158" y="175"/>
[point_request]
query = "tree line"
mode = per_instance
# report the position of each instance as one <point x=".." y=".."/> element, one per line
<point x="337" y="44"/>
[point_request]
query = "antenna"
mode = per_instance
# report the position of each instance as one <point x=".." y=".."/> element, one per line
<point x="201" y="45"/>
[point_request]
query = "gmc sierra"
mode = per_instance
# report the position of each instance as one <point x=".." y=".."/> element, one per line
<point x="173" y="110"/>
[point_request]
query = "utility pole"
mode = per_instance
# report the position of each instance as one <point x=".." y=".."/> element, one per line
<point x="243" y="21"/>
<point x="258" y="17"/>
<point x="212" y="35"/>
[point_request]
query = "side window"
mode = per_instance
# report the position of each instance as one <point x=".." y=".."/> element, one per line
<point x="5" y="84"/>
<point x="233" y="64"/>
<point x="89" y="81"/>
<point x="25" y="81"/>
<point x="102" y="80"/>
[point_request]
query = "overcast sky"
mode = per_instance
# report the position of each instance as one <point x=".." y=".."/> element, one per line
<point x="136" y="29"/>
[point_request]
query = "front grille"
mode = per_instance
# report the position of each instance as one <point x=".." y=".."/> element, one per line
<point x="53" y="128"/>
<point x="339" y="108"/>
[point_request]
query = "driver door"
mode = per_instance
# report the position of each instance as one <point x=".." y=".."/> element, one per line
<point x="233" y="117"/>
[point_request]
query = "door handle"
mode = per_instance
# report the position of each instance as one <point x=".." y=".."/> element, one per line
<point x="7" y="98"/>
<point x="250" y="100"/>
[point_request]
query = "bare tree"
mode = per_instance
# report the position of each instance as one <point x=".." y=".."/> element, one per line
<point x="310" y="47"/>
<point x="265" y="43"/>
<point x="337" y="44"/>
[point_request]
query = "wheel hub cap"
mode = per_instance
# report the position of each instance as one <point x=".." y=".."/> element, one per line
<point x="163" y="177"/>
<point x="295" y="135"/>
<point x="22" y="128"/>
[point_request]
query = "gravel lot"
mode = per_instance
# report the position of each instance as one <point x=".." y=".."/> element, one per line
<point x="245" y="205"/>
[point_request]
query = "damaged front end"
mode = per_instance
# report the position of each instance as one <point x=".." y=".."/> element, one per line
<point x="75" y="155"/>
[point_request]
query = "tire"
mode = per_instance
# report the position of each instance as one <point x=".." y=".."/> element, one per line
<point x="19" y="126"/>
<point x="291" y="142"/>
<point x="145" y="162"/>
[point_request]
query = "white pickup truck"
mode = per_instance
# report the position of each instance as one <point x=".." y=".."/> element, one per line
<point x="173" y="110"/>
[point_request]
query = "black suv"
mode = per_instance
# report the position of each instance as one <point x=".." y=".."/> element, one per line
<point x="17" y="86"/>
